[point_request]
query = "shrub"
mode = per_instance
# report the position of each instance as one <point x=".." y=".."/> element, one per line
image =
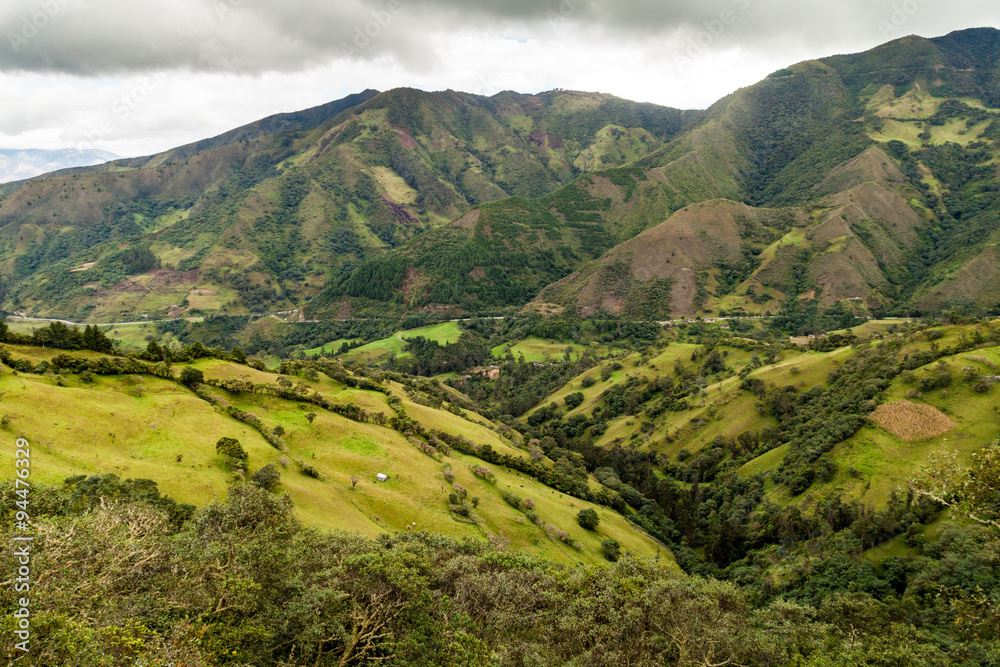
<point x="826" y="469"/>
<point x="588" y="381"/>
<point x="485" y="473"/>
<point x="588" y="519"/>
<point x="191" y="376"/>
<point x="512" y="499"/>
<point x="573" y="400"/>
<point x="267" y="477"/>
<point x="611" y="550"/>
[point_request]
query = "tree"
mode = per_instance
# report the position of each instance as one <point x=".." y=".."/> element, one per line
<point x="238" y="356"/>
<point x="267" y="477"/>
<point x="191" y="377"/>
<point x="233" y="451"/>
<point x="588" y="519"/>
<point x="973" y="491"/>
<point x="153" y="352"/>
<point x="573" y="400"/>
<point x="354" y="481"/>
<point x="96" y="340"/>
<point x="311" y="416"/>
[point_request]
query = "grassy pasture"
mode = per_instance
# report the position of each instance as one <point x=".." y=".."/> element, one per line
<point x="144" y="427"/>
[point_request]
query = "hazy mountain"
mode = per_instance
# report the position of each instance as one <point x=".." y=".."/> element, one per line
<point x="23" y="163"/>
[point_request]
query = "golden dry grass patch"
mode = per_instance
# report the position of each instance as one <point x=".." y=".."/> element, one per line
<point x="911" y="421"/>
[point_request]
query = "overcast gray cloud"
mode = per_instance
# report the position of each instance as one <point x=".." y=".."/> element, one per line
<point x="88" y="37"/>
<point x="138" y="76"/>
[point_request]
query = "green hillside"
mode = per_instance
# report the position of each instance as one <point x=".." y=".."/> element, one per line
<point x="836" y="418"/>
<point x="263" y="217"/>
<point x="97" y="419"/>
<point x="886" y="169"/>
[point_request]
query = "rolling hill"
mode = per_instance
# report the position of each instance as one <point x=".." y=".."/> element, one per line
<point x="143" y="424"/>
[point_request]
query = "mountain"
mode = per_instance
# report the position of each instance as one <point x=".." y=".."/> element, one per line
<point x="20" y="164"/>
<point x="865" y="177"/>
<point x="263" y="217"/>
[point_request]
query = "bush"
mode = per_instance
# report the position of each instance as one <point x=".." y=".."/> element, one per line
<point x="588" y="519"/>
<point x="485" y="473"/>
<point x="267" y="477"/>
<point x="588" y="381"/>
<point x="826" y="469"/>
<point x="191" y="376"/>
<point x="611" y="550"/>
<point x="573" y="400"/>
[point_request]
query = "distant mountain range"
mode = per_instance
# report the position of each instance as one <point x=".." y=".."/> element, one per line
<point x="22" y="163"/>
<point x="866" y="180"/>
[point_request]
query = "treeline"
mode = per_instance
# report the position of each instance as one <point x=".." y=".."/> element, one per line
<point x="61" y="337"/>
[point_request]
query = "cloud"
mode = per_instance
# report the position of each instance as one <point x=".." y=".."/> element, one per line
<point x="100" y="37"/>
<point x="140" y="76"/>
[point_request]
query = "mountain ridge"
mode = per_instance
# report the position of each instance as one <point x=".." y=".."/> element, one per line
<point x="384" y="203"/>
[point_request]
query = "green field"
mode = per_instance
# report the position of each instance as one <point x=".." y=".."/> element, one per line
<point x="542" y="350"/>
<point x="146" y="427"/>
<point x="444" y="333"/>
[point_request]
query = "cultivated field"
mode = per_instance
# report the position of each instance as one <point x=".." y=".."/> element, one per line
<point x="910" y="421"/>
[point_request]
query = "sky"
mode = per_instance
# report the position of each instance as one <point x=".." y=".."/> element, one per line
<point x="135" y="77"/>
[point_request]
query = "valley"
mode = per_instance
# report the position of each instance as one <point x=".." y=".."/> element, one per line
<point x="435" y="378"/>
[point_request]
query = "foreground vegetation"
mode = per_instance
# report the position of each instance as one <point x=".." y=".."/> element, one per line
<point x="242" y="583"/>
<point x="746" y="454"/>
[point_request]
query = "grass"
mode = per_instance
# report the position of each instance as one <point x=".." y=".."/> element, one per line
<point x="330" y="349"/>
<point x="543" y="350"/>
<point x="444" y="333"/>
<point x="157" y="429"/>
